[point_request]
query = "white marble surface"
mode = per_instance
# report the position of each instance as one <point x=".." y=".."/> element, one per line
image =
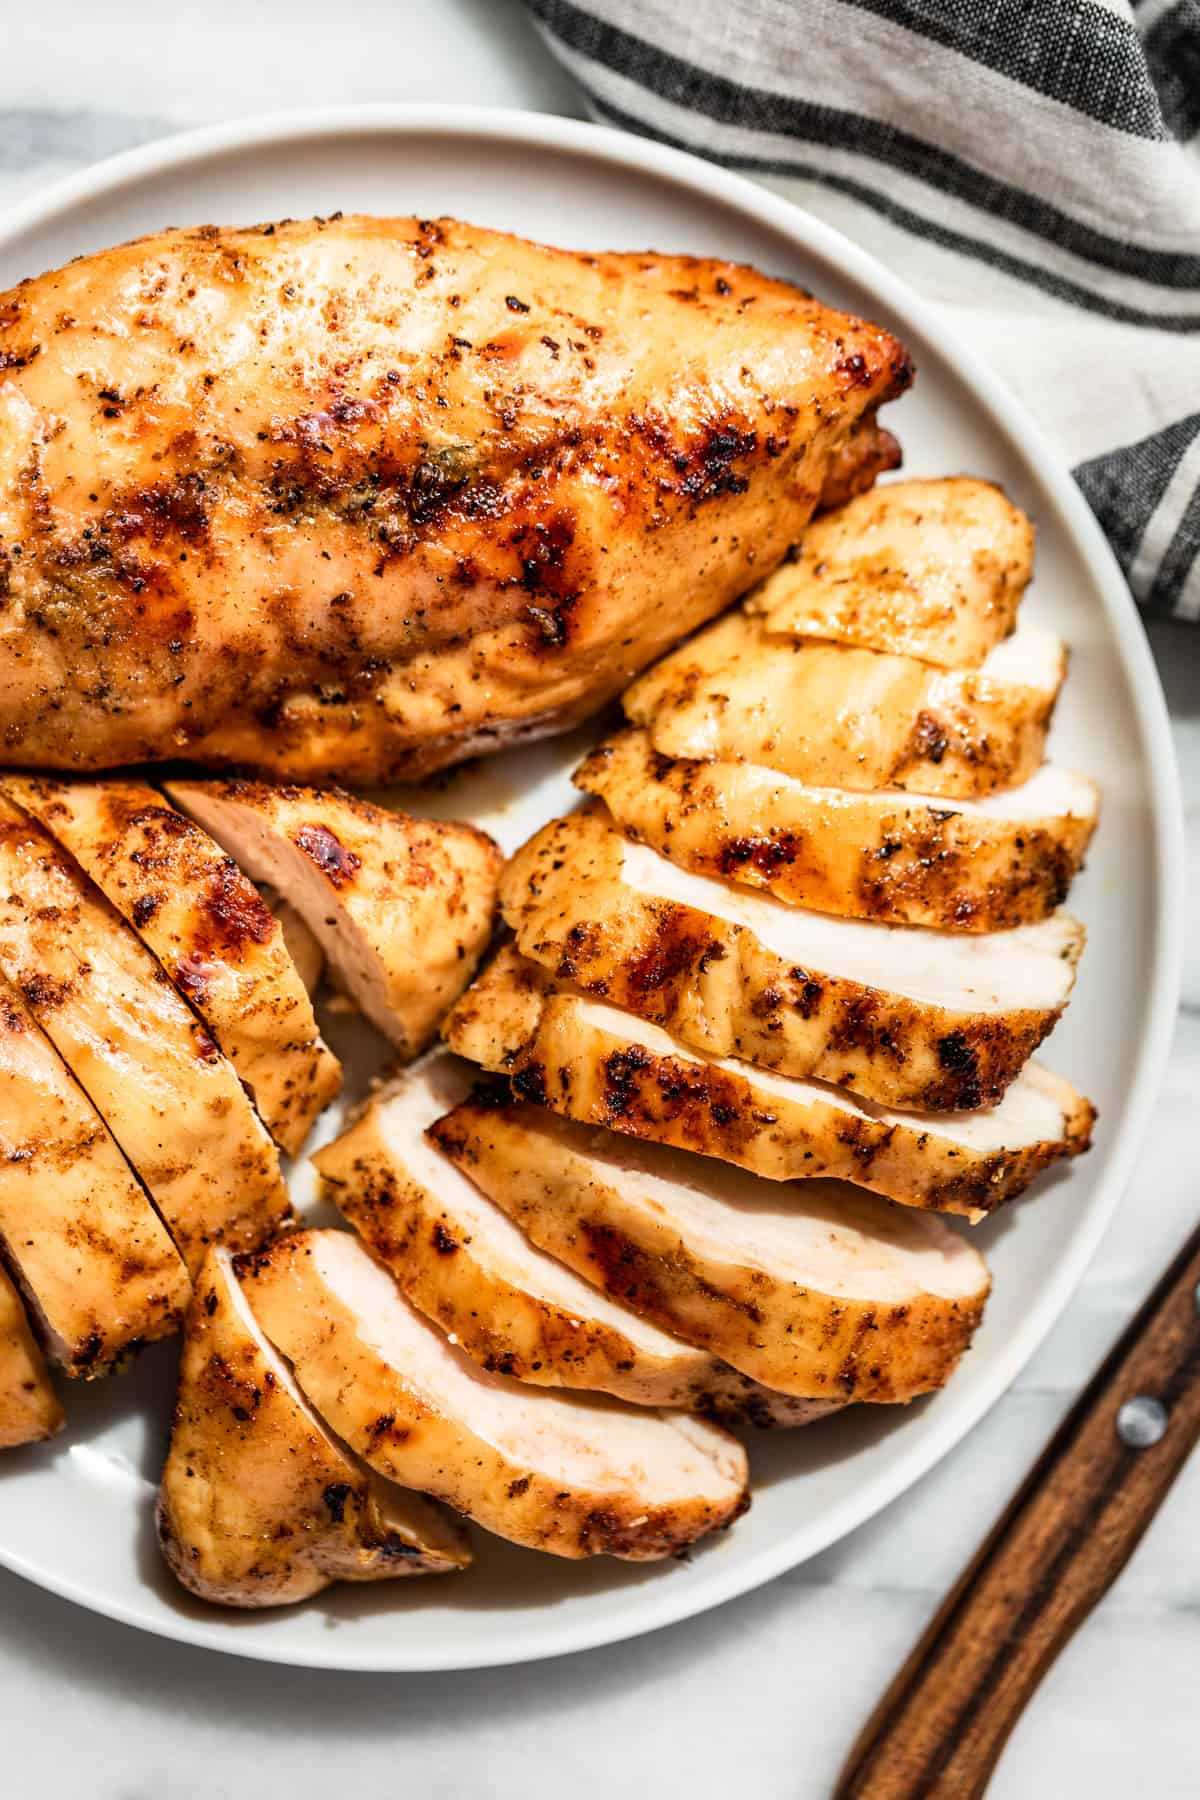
<point x="764" y="1696"/>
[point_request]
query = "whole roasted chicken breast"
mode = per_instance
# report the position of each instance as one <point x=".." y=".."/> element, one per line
<point x="365" y="496"/>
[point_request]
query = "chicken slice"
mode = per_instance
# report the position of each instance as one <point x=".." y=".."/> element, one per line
<point x="30" y="1411"/>
<point x="906" y="859"/>
<point x="814" y="1287"/>
<point x="208" y="927"/>
<point x="596" y="1063"/>
<point x="98" y="1267"/>
<point x="352" y="498"/>
<point x="170" y="1099"/>
<point x="931" y="569"/>
<point x="259" y="1504"/>
<point x="301" y="945"/>
<point x="919" y="1019"/>
<point x="514" y="1310"/>
<point x="577" y="1476"/>
<point x="837" y="716"/>
<point x="402" y="908"/>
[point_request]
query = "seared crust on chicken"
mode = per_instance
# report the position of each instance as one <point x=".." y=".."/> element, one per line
<point x="365" y="496"/>
<point x="908" y="1017"/>
<point x="95" y="1259"/>
<point x="402" y="908"/>
<point x="221" y="945"/>
<point x="259" y="1505"/>
<point x="593" y="1062"/>
<point x="577" y="1476"/>
<point x="833" y="715"/>
<point x="932" y="569"/>
<point x="29" y="1407"/>
<point x="153" y="1073"/>
<point x="461" y="1261"/>
<point x="907" y="859"/>
<point x="816" y="1288"/>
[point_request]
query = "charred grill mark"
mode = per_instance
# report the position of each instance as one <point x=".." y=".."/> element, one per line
<point x="231" y="913"/>
<point x="180" y="508"/>
<point x="765" y="854"/>
<point x="648" y="1282"/>
<point x="714" y="460"/>
<point x="19" y="359"/>
<point x="145" y="907"/>
<point x="621" y="1071"/>
<point x="529" y="1083"/>
<point x="13" y="1018"/>
<point x="436" y="480"/>
<point x="642" y="1093"/>
<point x="676" y="946"/>
<point x="624" y="1269"/>
<point x="443" y="1242"/>
<point x="930" y="739"/>
<point x="44" y="993"/>
<point x="327" y="853"/>
<point x="335" y="1498"/>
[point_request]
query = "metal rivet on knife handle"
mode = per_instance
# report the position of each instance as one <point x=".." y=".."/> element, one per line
<point x="1141" y="1421"/>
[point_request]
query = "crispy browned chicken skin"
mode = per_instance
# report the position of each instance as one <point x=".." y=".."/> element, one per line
<point x="363" y="496"/>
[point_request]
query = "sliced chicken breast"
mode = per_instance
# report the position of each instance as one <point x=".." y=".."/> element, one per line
<point x="29" y="1407"/>
<point x="906" y="859"/>
<point x="601" y="1065"/>
<point x="402" y="908"/>
<point x="912" y="1018"/>
<point x="932" y="569"/>
<point x="211" y="931"/>
<point x="577" y="1476"/>
<point x="96" y="1262"/>
<point x="170" y="1099"/>
<point x="301" y="945"/>
<point x="462" y="1262"/>
<point x="833" y="715"/>
<point x="259" y="1504"/>
<point x="815" y="1288"/>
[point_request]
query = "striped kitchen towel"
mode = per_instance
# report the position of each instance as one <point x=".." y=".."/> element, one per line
<point x="1032" y="166"/>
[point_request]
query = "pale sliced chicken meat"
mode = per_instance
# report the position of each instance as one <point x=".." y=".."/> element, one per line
<point x="836" y="716"/>
<point x="599" y="1064"/>
<point x="209" y="928"/>
<point x="301" y="945"/>
<point x="906" y="859"/>
<point x="812" y="1287"/>
<point x="912" y="1018"/>
<point x="353" y="498"/>
<point x="96" y="1262"/>
<point x="462" y="1262"/>
<point x="402" y="908"/>
<point x="932" y="569"/>
<point x="577" y="1476"/>
<point x="30" y="1411"/>
<point x="153" y="1073"/>
<point x="259" y="1504"/>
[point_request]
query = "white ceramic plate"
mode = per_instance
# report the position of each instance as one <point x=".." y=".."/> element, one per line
<point x="76" y="1516"/>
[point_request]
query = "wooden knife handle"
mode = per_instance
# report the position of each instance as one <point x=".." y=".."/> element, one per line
<point x="1063" y="1540"/>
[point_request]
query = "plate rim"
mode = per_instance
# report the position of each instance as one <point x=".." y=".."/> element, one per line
<point x="676" y="1602"/>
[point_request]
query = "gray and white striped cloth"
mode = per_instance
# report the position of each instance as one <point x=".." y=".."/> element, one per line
<point x="1032" y="167"/>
